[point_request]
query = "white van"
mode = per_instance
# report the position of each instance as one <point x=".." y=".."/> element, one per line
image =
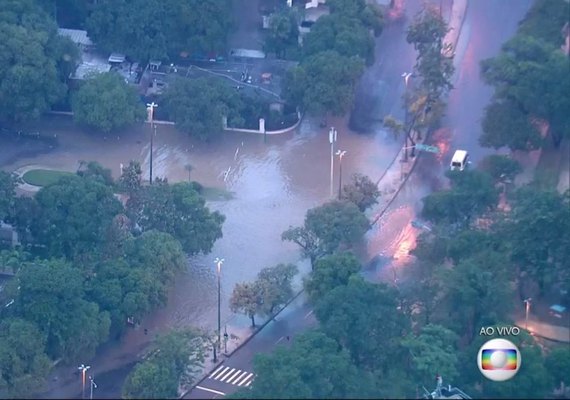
<point x="459" y="161"/>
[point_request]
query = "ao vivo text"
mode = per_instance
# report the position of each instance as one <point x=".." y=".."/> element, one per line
<point x="499" y="331"/>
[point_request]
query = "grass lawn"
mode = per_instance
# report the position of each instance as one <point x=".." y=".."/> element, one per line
<point x="43" y="177"/>
<point x="216" y="194"/>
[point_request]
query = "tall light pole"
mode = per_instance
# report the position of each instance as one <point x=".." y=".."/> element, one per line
<point x="406" y="76"/>
<point x="83" y="368"/>
<point x="527" y="309"/>
<point x="340" y="154"/>
<point x="219" y="262"/>
<point x="93" y="385"/>
<point x="150" y="107"/>
<point x="332" y="140"/>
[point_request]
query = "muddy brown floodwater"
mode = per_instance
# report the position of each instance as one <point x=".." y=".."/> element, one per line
<point x="274" y="180"/>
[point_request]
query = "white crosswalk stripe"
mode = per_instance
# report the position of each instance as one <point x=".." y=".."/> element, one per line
<point x="232" y="376"/>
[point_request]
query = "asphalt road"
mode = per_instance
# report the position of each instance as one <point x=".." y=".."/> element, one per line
<point x="237" y="371"/>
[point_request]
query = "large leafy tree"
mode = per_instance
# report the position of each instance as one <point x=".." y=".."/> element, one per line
<point x="137" y="280"/>
<point x="539" y="235"/>
<point x="202" y="116"/>
<point x="7" y="195"/>
<point x="180" y="211"/>
<point x="23" y="362"/>
<point x="153" y="29"/>
<point x="530" y="77"/>
<point x="283" y="32"/>
<point x="276" y="286"/>
<point x="179" y="356"/>
<point x="472" y="288"/>
<point x="73" y="215"/>
<point x="472" y="193"/>
<point x="106" y="102"/>
<point x="334" y="225"/>
<point x="434" y="62"/>
<point x="314" y="367"/>
<point x="324" y="82"/>
<point x="361" y="191"/>
<point x="52" y="296"/>
<point x="363" y="318"/>
<point x="344" y="34"/>
<point x="33" y="61"/>
<point x="330" y="272"/>
<point x="558" y="365"/>
<point x="434" y="349"/>
<point x="247" y="300"/>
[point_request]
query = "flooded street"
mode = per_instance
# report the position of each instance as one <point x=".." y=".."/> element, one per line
<point x="274" y="180"/>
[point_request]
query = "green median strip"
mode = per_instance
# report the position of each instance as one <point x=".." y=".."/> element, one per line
<point x="43" y="177"/>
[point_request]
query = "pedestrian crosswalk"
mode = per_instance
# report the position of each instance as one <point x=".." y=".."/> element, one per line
<point x="232" y="376"/>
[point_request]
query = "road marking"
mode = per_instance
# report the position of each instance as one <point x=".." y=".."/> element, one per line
<point x="309" y="314"/>
<point x="227" y="375"/>
<point x="247" y="384"/>
<point x="210" y="390"/>
<point x="245" y="379"/>
<point x="221" y="373"/>
<point x="280" y="339"/>
<point x="216" y="371"/>
<point x="237" y="377"/>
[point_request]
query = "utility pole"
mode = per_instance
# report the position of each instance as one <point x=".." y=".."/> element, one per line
<point x="83" y="368"/>
<point x="332" y="140"/>
<point x="219" y="262"/>
<point x="93" y="385"/>
<point x="150" y="107"/>
<point x="340" y="154"/>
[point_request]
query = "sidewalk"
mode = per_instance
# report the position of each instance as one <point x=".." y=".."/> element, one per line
<point x="545" y="331"/>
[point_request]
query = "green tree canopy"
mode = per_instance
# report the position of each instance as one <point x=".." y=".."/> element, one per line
<point x="529" y="76"/>
<point x="501" y="168"/>
<point x="153" y="29"/>
<point x="472" y="193"/>
<point x="327" y="228"/>
<point x="106" y="102"/>
<point x="330" y="272"/>
<point x="472" y="288"/>
<point x="94" y="170"/>
<point x="202" y="116"/>
<point x="276" y="286"/>
<point x="344" y="34"/>
<point x="363" y="318"/>
<point x="34" y="61"/>
<point x="434" y="63"/>
<point x="434" y="349"/>
<point x="52" y="296"/>
<point x="73" y="215"/>
<point x="283" y="32"/>
<point x="558" y="364"/>
<point x="7" y="195"/>
<point x="246" y="299"/>
<point x="538" y="231"/>
<point x="324" y="82"/>
<point x="361" y="191"/>
<point x="23" y="362"/>
<point x="312" y="368"/>
<point x="178" y="355"/>
<point x="180" y="211"/>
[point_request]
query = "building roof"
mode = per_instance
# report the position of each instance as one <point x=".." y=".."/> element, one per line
<point x="78" y="36"/>
<point x="117" y="58"/>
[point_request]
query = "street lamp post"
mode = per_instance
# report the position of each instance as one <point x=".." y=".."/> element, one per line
<point x="527" y="309"/>
<point x="340" y="154"/>
<point x="219" y="262"/>
<point x="332" y="140"/>
<point x="93" y="385"/>
<point x="150" y="107"/>
<point x="406" y="76"/>
<point x="83" y="368"/>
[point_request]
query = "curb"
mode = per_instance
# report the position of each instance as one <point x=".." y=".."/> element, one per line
<point x="258" y="329"/>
